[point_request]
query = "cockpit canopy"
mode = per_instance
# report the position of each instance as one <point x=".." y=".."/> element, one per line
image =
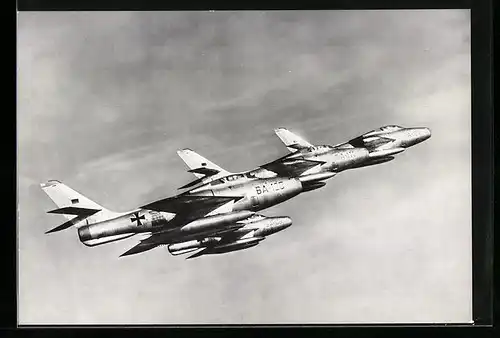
<point x="320" y="148"/>
<point x="231" y="178"/>
<point x="234" y="177"/>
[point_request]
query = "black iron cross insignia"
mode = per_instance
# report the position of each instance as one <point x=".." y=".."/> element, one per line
<point x="137" y="218"/>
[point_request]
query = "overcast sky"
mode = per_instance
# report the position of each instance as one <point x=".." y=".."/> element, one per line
<point x="106" y="98"/>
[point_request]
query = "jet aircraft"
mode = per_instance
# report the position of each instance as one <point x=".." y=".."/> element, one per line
<point x="216" y="214"/>
<point x="374" y="147"/>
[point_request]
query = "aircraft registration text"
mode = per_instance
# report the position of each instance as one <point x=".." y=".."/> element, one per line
<point x="273" y="186"/>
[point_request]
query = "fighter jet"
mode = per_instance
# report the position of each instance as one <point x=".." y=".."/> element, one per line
<point x="217" y="214"/>
<point x="374" y="147"/>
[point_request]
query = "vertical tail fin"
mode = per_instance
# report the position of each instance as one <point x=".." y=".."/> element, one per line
<point x="200" y="166"/>
<point x="71" y="203"/>
<point x="292" y="142"/>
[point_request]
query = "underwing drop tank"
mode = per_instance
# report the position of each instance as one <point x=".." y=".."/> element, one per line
<point x="316" y="177"/>
<point x="215" y="221"/>
<point x="387" y="152"/>
<point x="185" y="247"/>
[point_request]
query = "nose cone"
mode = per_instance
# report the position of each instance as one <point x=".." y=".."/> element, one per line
<point x="426" y="133"/>
<point x="286" y="222"/>
<point x="418" y="135"/>
<point x="280" y="223"/>
<point x="273" y="225"/>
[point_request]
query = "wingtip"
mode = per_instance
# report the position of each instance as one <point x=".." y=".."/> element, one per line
<point x="59" y="228"/>
<point x="196" y="254"/>
<point x="277" y="130"/>
<point x="128" y="253"/>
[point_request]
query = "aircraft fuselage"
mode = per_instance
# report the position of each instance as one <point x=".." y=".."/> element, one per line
<point x="257" y="194"/>
<point x="122" y="227"/>
<point x="375" y="147"/>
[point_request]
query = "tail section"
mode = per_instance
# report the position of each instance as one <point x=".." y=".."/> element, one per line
<point x="78" y="209"/>
<point x="291" y="141"/>
<point x="200" y="166"/>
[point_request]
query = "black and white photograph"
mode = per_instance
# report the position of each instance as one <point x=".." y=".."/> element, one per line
<point x="244" y="167"/>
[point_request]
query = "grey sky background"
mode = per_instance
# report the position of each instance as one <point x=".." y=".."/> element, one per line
<point x="106" y="98"/>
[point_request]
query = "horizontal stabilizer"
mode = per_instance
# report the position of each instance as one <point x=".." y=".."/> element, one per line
<point x="81" y="214"/>
<point x="201" y="171"/>
<point x="204" y="171"/>
<point x="296" y="146"/>
<point x="192" y="184"/>
<point x="63" y="226"/>
<point x="74" y="211"/>
<point x="291" y="167"/>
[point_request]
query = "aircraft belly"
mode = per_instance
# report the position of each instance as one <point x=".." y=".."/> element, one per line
<point x="374" y="161"/>
<point x="107" y="239"/>
<point x="233" y="248"/>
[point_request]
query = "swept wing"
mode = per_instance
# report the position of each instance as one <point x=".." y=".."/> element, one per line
<point x="371" y="142"/>
<point x="190" y="207"/>
<point x="186" y="209"/>
<point x="171" y="236"/>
